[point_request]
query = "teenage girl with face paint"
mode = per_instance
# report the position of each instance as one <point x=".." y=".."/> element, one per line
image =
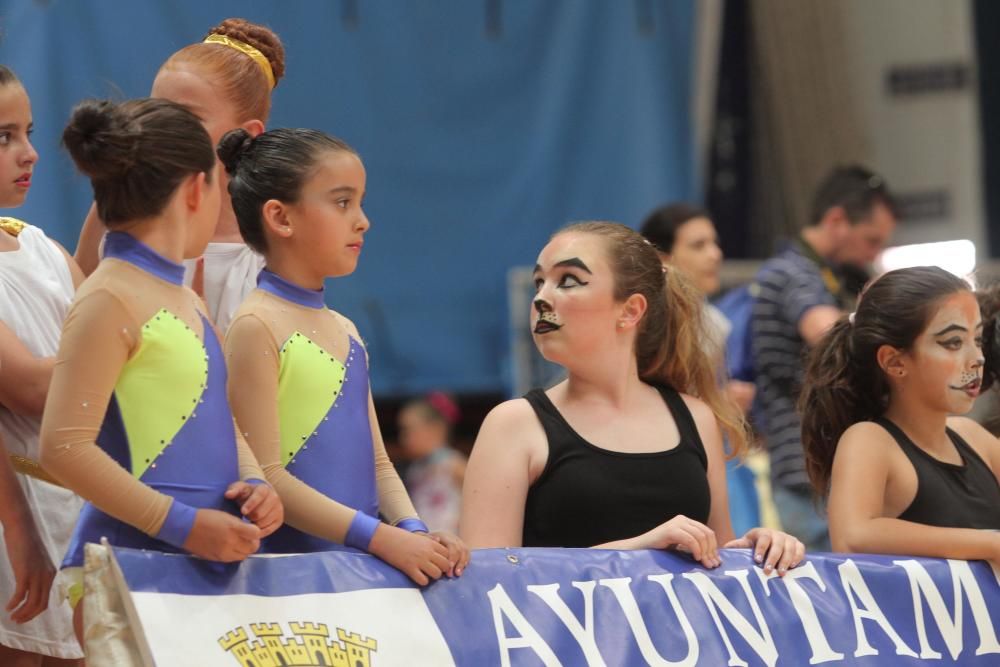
<point x="903" y="475"/>
<point x="37" y="282"/>
<point x="626" y="453"/>
<point x="226" y="81"/>
<point x="299" y="371"/>
<point x="137" y="420"/>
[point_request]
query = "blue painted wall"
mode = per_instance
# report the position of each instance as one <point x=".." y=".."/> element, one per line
<point x="478" y="146"/>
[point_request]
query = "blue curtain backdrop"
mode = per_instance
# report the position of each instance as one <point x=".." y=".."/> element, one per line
<point x="485" y="125"/>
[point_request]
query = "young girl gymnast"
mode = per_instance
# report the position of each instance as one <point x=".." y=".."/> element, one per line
<point x="299" y="372"/>
<point x="626" y="453"/>
<point x="904" y="475"/>
<point x="37" y="282"/>
<point x="137" y="420"/>
<point x="226" y="80"/>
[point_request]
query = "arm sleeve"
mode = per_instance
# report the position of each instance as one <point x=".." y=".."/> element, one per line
<point x="253" y="357"/>
<point x="98" y="337"/>
<point x="250" y="470"/>
<point x="802" y="291"/>
<point x="393" y="500"/>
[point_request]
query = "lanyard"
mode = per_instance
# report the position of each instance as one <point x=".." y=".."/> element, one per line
<point x="830" y="279"/>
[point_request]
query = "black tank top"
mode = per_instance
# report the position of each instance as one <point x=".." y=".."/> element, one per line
<point x="587" y="495"/>
<point x="950" y="495"/>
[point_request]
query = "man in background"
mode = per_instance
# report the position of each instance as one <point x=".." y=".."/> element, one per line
<point x="801" y="292"/>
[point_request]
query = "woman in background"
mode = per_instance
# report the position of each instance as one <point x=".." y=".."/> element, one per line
<point x="685" y="238"/>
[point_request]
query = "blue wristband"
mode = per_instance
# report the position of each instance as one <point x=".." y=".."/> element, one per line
<point x="360" y="533"/>
<point x="413" y="525"/>
<point x="253" y="481"/>
<point x="178" y="524"/>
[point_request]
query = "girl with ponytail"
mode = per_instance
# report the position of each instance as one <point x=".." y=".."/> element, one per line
<point x="627" y="452"/>
<point x="902" y="474"/>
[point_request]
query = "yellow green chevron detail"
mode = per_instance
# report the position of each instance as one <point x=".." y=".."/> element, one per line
<point x="309" y="382"/>
<point x="159" y="387"/>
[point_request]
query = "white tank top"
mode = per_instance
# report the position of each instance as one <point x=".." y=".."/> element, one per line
<point x="230" y="274"/>
<point x="36" y="289"/>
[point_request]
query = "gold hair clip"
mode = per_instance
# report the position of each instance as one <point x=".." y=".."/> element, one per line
<point x="243" y="47"/>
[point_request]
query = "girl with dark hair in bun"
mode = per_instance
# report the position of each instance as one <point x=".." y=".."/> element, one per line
<point x="37" y="282"/>
<point x="299" y="371"/>
<point x="904" y="475"/>
<point x="626" y="453"/>
<point x="136" y="419"/>
<point x="226" y="80"/>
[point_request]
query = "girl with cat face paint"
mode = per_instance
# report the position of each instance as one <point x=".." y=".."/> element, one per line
<point x="904" y="475"/>
<point x="626" y="453"/>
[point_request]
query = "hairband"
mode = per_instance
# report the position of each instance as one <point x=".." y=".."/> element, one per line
<point x="243" y="47"/>
<point x="444" y="406"/>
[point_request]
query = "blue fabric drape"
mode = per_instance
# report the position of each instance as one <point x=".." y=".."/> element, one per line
<point x="484" y="127"/>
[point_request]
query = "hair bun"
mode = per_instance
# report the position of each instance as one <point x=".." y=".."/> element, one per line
<point x="100" y="139"/>
<point x="259" y="37"/>
<point x="233" y="147"/>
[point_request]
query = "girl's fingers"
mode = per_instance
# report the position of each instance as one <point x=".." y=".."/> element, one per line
<point x="432" y="570"/>
<point x="761" y="546"/>
<point x="706" y="538"/>
<point x="19" y="594"/>
<point x="774" y="552"/>
<point x="685" y="539"/>
<point x="713" y="544"/>
<point x="787" y="556"/>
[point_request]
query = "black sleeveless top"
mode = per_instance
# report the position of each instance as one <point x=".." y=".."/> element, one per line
<point x="950" y="495"/>
<point x="587" y="495"/>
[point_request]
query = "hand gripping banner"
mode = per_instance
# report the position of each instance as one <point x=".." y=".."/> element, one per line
<point x="546" y="607"/>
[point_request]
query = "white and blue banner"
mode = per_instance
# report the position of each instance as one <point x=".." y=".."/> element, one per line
<point x="562" y="607"/>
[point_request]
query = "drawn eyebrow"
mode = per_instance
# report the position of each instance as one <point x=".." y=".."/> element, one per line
<point x="950" y="328"/>
<point x="574" y="262"/>
<point x="577" y="263"/>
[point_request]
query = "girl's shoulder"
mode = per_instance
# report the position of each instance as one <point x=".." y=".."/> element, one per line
<point x="512" y="428"/>
<point x="349" y="327"/>
<point x="866" y="436"/>
<point x="867" y="430"/>
<point x="976" y="436"/>
<point x="699" y="409"/>
<point x="30" y="237"/>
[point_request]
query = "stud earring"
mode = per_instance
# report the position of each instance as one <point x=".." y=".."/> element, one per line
<point x="621" y="325"/>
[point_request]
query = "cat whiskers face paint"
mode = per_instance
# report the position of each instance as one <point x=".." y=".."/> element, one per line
<point x="969" y="383"/>
<point x="949" y="355"/>
<point x="547" y="321"/>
